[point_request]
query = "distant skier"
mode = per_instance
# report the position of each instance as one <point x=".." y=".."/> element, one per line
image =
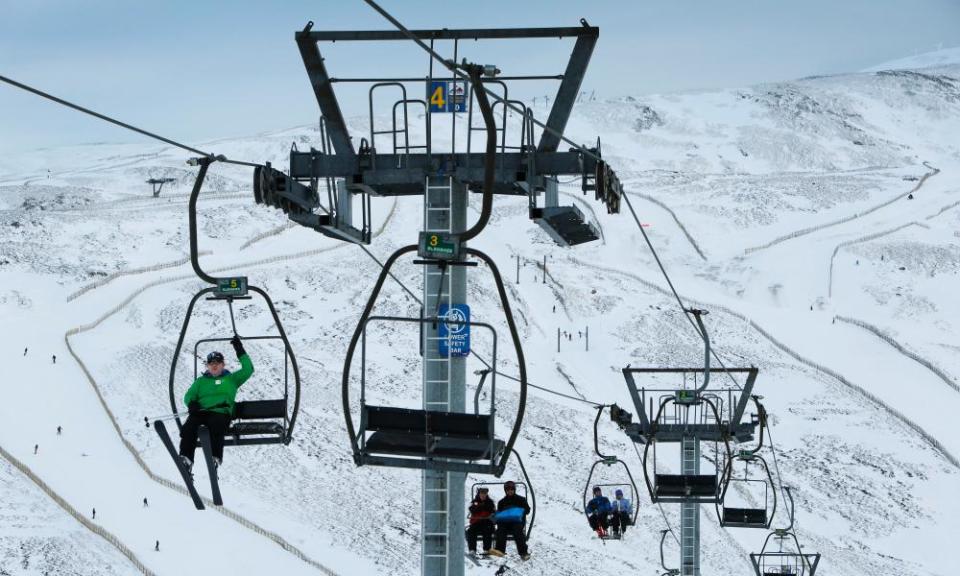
<point x="94" y="513"/>
<point x="621" y="513"/>
<point x="598" y="510"/>
<point x="145" y="503"/>
<point x="156" y="546"/>
<point x="511" y="516"/>
<point x="35" y="448"/>
<point x="210" y="401"/>
<point x="481" y="521"/>
<point x="25" y="351"/>
<point x="54" y="358"/>
<point x="59" y="430"/>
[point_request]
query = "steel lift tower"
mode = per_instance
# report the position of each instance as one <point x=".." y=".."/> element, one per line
<point x="696" y="413"/>
<point x="392" y="161"/>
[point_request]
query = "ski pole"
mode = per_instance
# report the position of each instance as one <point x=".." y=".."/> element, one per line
<point x="162" y="417"/>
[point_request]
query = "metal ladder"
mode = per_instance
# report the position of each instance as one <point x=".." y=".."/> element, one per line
<point x="437" y="217"/>
<point x="690" y="512"/>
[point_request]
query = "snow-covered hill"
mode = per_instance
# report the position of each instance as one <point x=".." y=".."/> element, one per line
<point x="816" y="220"/>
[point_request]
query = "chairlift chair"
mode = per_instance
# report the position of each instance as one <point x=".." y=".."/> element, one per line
<point x="422" y="438"/>
<point x="781" y="562"/>
<point x="610" y="461"/>
<point x="683" y="488"/>
<point x="255" y="422"/>
<point x="746" y="515"/>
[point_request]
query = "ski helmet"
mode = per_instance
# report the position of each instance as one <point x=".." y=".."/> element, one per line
<point x="619" y="492"/>
<point x="214" y="357"/>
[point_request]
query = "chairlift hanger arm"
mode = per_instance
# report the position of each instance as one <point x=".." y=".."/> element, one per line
<point x="697" y="314"/>
<point x="596" y="435"/>
<point x="489" y="158"/>
<point x="204" y="164"/>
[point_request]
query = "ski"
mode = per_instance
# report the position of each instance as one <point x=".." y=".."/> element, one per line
<point x="187" y="476"/>
<point x="211" y="467"/>
<point x="473" y="558"/>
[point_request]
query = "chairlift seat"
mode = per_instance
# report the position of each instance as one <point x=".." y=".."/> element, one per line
<point x="261" y="426"/>
<point x="429" y="434"/>
<point x="745" y="517"/>
<point x="683" y="485"/>
<point x="566" y="225"/>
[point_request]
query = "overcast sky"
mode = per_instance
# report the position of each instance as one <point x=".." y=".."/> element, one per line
<point x="195" y="70"/>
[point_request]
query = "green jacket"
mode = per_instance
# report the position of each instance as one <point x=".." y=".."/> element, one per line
<point x="219" y="394"/>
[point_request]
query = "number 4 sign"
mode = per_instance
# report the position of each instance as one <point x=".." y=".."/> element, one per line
<point x="446" y="96"/>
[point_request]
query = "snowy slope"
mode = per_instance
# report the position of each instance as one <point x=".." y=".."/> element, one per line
<point x="749" y="195"/>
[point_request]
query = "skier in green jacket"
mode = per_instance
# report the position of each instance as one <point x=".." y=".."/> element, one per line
<point x="210" y="402"/>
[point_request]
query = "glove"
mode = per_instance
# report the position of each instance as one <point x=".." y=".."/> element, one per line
<point x="193" y="407"/>
<point x="237" y="346"/>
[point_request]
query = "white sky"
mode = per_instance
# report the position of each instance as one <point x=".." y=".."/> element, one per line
<point x="192" y="70"/>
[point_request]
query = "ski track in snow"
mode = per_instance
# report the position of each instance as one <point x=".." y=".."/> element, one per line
<point x="844" y="220"/>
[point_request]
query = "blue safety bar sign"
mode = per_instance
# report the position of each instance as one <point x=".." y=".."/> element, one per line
<point x="447" y="96"/>
<point x="454" y="330"/>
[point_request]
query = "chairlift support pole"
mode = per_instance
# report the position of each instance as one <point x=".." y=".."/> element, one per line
<point x="690" y="511"/>
<point x="444" y="384"/>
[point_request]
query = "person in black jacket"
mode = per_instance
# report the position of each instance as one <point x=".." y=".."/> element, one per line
<point x="511" y="523"/>
<point x="481" y="521"/>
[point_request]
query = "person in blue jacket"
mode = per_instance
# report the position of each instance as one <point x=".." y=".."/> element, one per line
<point x="598" y="511"/>
<point x="511" y="518"/>
<point x="621" y="512"/>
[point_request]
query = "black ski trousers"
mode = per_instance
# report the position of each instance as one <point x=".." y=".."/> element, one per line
<point x="620" y="521"/>
<point x="598" y="520"/>
<point x="483" y="529"/>
<point x="514" y="529"/>
<point x="216" y="422"/>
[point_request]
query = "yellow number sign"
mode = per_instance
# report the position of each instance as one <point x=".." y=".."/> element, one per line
<point x="437" y="99"/>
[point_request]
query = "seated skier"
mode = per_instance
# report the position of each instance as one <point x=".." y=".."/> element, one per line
<point x="210" y="401"/>
<point x="481" y="521"/>
<point x="598" y="509"/>
<point x="621" y="511"/>
<point x="511" y="517"/>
